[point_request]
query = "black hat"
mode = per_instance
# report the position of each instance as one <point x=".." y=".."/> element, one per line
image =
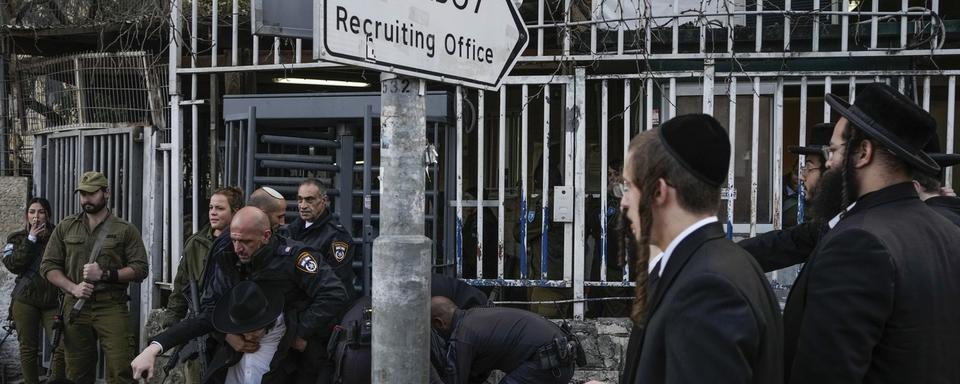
<point x="818" y="139"/>
<point x="894" y="120"/>
<point x="700" y="144"/>
<point x="944" y="160"/>
<point x="247" y="308"/>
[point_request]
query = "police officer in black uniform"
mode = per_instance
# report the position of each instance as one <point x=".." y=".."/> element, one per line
<point x="317" y="228"/>
<point x="307" y="283"/>
<point x="524" y="345"/>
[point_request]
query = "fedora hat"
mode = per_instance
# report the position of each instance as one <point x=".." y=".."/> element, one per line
<point x="894" y="120"/>
<point x="818" y="140"/>
<point x="247" y="308"/>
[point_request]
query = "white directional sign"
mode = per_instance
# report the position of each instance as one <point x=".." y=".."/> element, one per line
<point x="469" y="42"/>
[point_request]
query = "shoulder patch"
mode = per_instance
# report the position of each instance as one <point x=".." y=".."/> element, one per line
<point x="306" y="263"/>
<point x="339" y="250"/>
<point x="8" y="249"/>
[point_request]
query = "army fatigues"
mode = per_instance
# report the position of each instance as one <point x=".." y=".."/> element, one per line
<point x="105" y="315"/>
<point x="332" y="240"/>
<point x="34" y="302"/>
<point x="313" y="293"/>
<point x="522" y="344"/>
<point x="192" y="262"/>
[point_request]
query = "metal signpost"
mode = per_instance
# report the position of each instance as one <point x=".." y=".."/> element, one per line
<point x="473" y="43"/>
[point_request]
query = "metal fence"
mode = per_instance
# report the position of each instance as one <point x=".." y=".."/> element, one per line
<point x="597" y="73"/>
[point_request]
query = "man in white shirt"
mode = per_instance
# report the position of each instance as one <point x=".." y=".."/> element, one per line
<point x="255" y="314"/>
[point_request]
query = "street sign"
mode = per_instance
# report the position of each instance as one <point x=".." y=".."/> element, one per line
<point x="469" y="42"/>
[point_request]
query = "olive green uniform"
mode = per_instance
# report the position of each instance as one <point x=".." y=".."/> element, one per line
<point x="105" y="315"/>
<point x="194" y="259"/>
<point x="34" y="303"/>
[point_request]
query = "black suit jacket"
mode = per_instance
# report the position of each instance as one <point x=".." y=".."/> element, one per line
<point x="879" y="299"/>
<point x="712" y="319"/>
<point x="948" y="206"/>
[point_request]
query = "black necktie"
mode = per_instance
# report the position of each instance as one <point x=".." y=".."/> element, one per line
<point x="653" y="279"/>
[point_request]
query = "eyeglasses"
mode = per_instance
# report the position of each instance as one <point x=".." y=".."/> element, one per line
<point x="808" y="170"/>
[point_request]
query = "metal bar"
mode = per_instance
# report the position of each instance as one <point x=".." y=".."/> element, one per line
<point x="501" y="177"/>
<point x="672" y="99"/>
<point x="604" y="105"/>
<point x="276" y="50"/>
<point x="776" y="184"/>
<point x="579" y="186"/>
<point x="299" y="51"/>
<point x="298" y="158"/>
<point x="844" y="25"/>
<point x="675" y="39"/>
<point x="803" y="142"/>
<point x="367" y="199"/>
<point x="935" y="7"/>
<point x="481" y="152"/>
<point x="732" y="132"/>
<point x="458" y="112"/>
<point x="235" y="38"/>
<point x="302" y="141"/>
<point x="852" y="88"/>
<point x="294" y="164"/>
<point x="593" y="38"/>
<point x="708" y="74"/>
<point x="901" y="84"/>
<point x="903" y="25"/>
<point x="566" y="31"/>
<point x="541" y="31"/>
<point x="758" y="42"/>
<point x="754" y="157"/>
<point x="951" y="122"/>
<point x="545" y="184"/>
<point x="786" y="25"/>
<point x="827" y="83"/>
<point x="631" y="55"/>
<point x="194" y="148"/>
<point x="874" y="24"/>
<point x="255" y="51"/>
<point x="167" y="229"/>
<point x="251" y="149"/>
<point x="648" y="91"/>
<point x="926" y="93"/>
<point x="627" y="101"/>
<point x="214" y="33"/>
<point x="524" y="150"/>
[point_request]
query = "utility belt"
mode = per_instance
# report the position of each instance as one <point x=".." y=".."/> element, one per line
<point x="108" y="295"/>
<point x="563" y="351"/>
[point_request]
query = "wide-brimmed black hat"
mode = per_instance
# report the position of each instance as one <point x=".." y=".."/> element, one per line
<point x="247" y="308"/>
<point x="944" y="160"/>
<point x="818" y="140"/>
<point x="700" y="144"/>
<point x="894" y="120"/>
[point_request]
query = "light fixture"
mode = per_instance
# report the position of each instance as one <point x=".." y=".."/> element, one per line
<point x="329" y="83"/>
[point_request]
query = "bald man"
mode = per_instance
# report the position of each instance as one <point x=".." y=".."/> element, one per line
<point x="313" y="294"/>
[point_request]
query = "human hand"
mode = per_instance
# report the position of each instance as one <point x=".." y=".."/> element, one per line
<point x="241" y="344"/>
<point x="947" y="191"/>
<point x="299" y="344"/>
<point x="143" y="363"/>
<point x="92" y="272"/>
<point x="82" y="291"/>
<point x="38" y="228"/>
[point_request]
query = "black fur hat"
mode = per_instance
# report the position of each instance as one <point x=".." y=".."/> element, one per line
<point x="700" y="144"/>
<point x="894" y="120"/>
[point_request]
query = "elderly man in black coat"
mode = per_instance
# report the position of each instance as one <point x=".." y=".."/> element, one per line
<point x="878" y="301"/>
<point x="704" y="312"/>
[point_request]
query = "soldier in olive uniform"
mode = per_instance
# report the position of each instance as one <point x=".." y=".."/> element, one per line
<point x="34" y="302"/>
<point x="102" y="283"/>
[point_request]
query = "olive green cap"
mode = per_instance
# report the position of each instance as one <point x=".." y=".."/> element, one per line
<point x="91" y="182"/>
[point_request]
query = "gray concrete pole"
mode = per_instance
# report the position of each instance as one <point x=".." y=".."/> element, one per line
<point x="401" y="254"/>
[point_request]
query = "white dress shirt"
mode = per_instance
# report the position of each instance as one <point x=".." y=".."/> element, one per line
<point x="664" y="257"/>
<point x="252" y="366"/>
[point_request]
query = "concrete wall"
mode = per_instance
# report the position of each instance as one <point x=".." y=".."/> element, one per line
<point x="13" y="197"/>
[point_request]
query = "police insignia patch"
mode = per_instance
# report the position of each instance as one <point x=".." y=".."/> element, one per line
<point x="340" y="249"/>
<point x="306" y="263"/>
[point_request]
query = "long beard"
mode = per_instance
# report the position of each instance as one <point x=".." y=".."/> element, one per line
<point x="828" y="201"/>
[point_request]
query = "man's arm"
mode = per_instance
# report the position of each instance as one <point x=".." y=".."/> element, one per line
<point x="328" y="296"/>
<point x="137" y="265"/>
<point x="783" y="248"/>
<point x="51" y="267"/>
<point x="712" y="334"/>
<point x="850" y="293"/>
